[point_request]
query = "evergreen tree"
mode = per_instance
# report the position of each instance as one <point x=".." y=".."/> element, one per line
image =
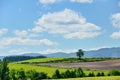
<point x="79" y="72"/>
<point x="13" y="75"/>
<point x="21" y="75"/>
<point x="91" y="74"/>
<point x="4" y="71"/>
<point x="102" y="74"/>
<point x="67" y="74"/>
<point x="33" y="75"/>
<point x="98" y="74"/>
<point x="56" y="75"/>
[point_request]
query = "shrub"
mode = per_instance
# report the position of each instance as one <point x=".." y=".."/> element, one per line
<point x="79" y="72"/>
<point x="91" y="74"/>
<point x="21" y="75"/>
<point x="102" y="74"/>
<point x="108" y="74"/>
<point x="98" y="74"/>
<point x="114" y="72"/>
<point x="33" y="75"/>
<point x="56" y="75"/>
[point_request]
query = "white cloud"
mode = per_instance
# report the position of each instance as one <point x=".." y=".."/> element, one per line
<point x="48" y="51"/>
<point x="81" y="35"/>
<point x="3" y="31"/>
<point x="67" y="22"/>
<point x="97" y="48"/>
<point x="21" y="33"/>
<point x="25" y="42"/>
<point x="19" y="51"/>
<point x="115" y="35"/>
<point x="25" y="33"/>
<point x="82" y="1"/>
<point x="37" y="29"/>
<point x="55" y="1"/>
<point x="48" y="1"/>
<point x="116" y="20"/>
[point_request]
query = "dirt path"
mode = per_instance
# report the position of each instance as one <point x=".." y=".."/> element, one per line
<point x="100" y="65"/>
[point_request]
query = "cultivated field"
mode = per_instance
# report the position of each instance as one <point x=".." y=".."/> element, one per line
<point x="99" y="65"/>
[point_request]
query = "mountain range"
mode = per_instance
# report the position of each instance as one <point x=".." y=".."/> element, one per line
<point x="103" y="52"/>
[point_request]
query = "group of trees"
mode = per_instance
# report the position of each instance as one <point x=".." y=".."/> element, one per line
<point x="6" y="74"/>
<point x="22" y="75"/>
<point x="20" y="58"/>
<point x="69" y="74"/>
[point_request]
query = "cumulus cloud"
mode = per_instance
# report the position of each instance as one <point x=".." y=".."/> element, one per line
<point x="115" y="35"/>
<point x="19" y="51"/>
<point x="48" y="1"/>
<point x="82" y="1"/>
<point x="81" y="35"/>
<point x="68" y="23"/>
<point x="3" y="31"/>
<point x="116" y="20"/>
<point x="55" y="1"/>
<point x="25" y="33"/>
<point x="21" y="33"/>
<point x="25" y="42"/>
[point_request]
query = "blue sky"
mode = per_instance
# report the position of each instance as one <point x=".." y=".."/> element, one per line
<point x="48" y="26"/>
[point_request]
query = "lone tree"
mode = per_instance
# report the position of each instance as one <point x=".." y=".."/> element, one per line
<point x="79" y="54"/>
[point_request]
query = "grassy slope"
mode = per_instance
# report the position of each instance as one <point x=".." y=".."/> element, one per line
<point x="48" y="70"/>
<point x="42" y="60"/>
<point x="27" y="67"/>
<point x="96" y="78"/>
<point x="63" y="59"/>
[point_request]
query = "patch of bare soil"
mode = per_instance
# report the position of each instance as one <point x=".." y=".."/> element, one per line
<point x="98" y="65"/>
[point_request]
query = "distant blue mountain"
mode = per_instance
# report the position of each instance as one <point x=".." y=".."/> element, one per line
<point x="31" y="54"/>
<point x="58" y="54"/>
<point x="103" y="52"/>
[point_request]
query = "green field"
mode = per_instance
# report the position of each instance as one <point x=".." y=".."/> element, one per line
<point x="63" y="59"/>
<point x="27" y="67"/>
<point x="96" y="78"/>
<point x="46" y="69"/>
<point x="42" y="60"/>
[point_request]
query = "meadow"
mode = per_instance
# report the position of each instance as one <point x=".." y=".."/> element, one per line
<point x="47" y="69"/>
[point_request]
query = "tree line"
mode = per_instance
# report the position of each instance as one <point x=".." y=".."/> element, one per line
<point x="20" y="58"/>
